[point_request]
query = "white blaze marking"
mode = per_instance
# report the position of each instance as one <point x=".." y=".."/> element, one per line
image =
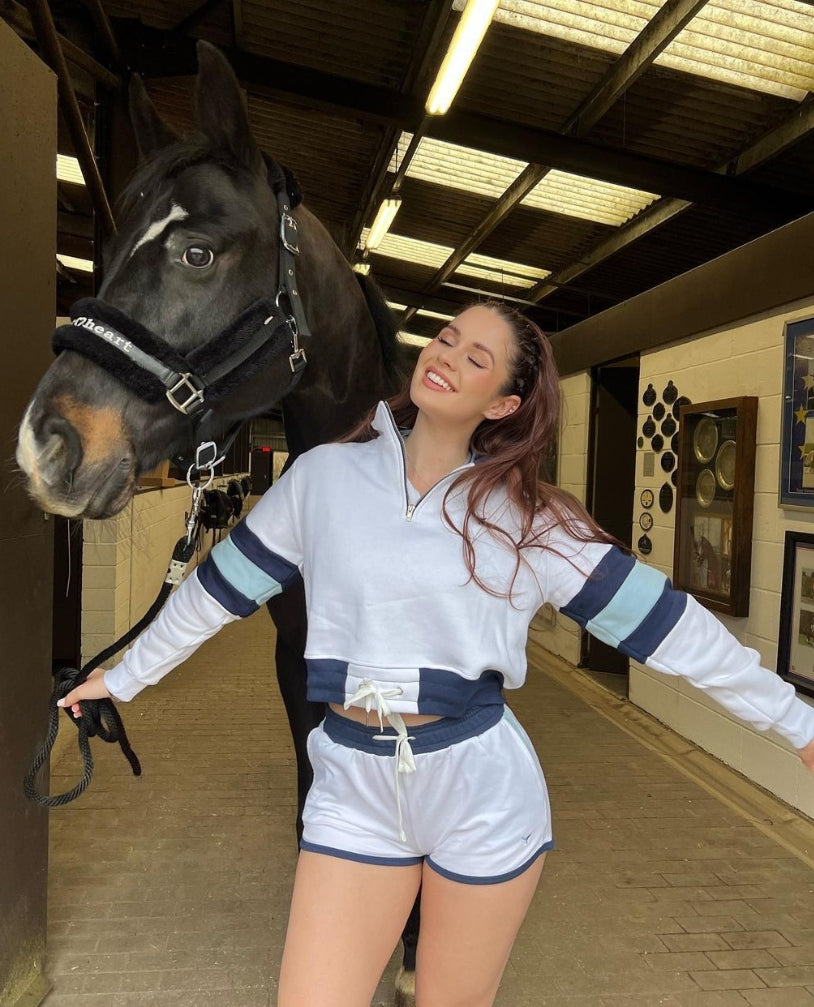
<point x="154" y="230"/>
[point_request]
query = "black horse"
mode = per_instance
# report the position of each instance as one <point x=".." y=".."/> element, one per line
<point x="198" y="245"/>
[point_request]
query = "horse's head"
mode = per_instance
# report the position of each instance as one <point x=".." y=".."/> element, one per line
<point x="197" y="244"/>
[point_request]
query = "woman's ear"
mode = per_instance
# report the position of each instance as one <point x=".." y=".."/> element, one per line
<point x="502" y="407"/>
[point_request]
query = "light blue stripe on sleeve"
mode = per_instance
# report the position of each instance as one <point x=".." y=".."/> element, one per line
<point x="636" y="596"/>
<point x="249" y="579"/>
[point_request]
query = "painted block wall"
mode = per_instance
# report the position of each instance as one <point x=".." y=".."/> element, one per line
<point x="742" y="359"/>
<point x="125" y="559"/>
<point x="554" y="632"/>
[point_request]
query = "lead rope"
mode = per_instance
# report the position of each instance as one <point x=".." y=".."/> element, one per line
<point x="100" y="718"/>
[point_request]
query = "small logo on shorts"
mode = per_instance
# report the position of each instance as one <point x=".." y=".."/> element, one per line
<point x="526" y="838"/>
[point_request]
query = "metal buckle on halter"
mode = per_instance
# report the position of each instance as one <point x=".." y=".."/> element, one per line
<point x="186" y="385"/>
<point x="297" y="360"/>
<point x="288" y="222"/>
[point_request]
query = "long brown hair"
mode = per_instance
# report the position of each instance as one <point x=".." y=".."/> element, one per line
<point x="514" y="449"/>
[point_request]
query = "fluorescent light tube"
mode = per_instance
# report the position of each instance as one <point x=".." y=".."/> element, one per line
<point x="384" y="218"/>
<point x="468" y="36"/>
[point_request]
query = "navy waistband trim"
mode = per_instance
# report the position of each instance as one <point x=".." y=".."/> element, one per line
<point x="424" y="738"/>
<point x="440" y="692"/>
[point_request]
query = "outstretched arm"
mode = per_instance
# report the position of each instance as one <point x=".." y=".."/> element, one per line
<point x="256" y="561"/>
<point x="634" y="608"/>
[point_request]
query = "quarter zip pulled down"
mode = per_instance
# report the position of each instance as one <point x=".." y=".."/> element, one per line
<point x="410" y="508"/>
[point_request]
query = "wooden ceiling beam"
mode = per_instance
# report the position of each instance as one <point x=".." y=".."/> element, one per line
<point x="786" y="133"/>
<point x="424" y="54"/>
<point x="662" y="28"/>
<point x="264" y="76"/>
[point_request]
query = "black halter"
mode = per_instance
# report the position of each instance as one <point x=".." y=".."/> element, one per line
<point x="194" y="382"/>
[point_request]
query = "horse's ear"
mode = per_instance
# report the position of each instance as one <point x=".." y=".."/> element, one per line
<point x="150" y="130"/>
<point x="219" y="108"/>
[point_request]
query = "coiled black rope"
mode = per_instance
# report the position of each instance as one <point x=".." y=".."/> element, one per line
<point x="100" y="718"/>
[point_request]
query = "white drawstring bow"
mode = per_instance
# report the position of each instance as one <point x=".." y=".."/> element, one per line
<point x="376" y="697"/>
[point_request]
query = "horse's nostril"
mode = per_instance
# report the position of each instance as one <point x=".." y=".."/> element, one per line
<point x="62" y="450"/>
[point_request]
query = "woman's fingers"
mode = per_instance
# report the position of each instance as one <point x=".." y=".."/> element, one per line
<point x="93" y="688"/>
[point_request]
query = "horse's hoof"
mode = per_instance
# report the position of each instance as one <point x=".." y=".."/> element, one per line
<point x="405" y="989"/>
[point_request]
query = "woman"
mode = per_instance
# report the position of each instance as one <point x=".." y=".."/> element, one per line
<point x="427" y="545"/>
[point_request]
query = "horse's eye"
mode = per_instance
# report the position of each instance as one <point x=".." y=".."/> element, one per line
<point x="198" y="256"/>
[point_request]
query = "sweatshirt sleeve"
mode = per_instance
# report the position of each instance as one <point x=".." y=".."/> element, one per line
<point x="634" y="608"/>
<point x="261" y="556"/>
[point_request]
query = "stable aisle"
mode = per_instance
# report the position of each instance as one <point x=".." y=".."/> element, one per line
<point x="172" y="889"/>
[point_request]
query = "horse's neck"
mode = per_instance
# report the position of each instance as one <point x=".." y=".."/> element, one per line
<point x="345" y="373"/>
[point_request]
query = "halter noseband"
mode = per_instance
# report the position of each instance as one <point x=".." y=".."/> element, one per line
<point x="193" y="382"/>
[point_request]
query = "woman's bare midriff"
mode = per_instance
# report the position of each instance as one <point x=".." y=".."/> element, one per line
<point x="361" y="716"/>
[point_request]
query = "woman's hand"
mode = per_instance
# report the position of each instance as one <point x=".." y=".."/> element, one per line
<point x="92" y="688"/>
<point x="807" y="755"/>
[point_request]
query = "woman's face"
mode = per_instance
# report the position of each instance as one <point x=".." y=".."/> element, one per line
<point x="461" y="373"/>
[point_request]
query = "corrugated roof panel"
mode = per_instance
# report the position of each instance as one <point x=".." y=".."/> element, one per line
<point x="765" y="45"/>
<point x="457" y="167"/>
<point x="587" y="198"/>
<point x="483" y="267"/>
<point x="470" y="170"/>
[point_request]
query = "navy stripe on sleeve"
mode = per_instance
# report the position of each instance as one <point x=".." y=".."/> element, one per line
<point x="603" y="583"/>
<point x="655" y="626"/>
<point x="215" y="584"/>
<point x="283" y="571"/>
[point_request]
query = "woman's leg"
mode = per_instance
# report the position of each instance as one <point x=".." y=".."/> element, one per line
<point x="467" y="932"/>
<point x="346" y="919"/>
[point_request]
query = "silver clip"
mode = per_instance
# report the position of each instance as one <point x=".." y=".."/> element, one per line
<point x="287" y="221"/>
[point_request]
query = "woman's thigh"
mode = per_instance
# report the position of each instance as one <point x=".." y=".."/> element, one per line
<point x="466" y="934"/>
<point x="345" y="920"/>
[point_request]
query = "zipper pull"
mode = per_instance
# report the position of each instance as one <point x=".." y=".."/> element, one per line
<point x="410" y="509"/>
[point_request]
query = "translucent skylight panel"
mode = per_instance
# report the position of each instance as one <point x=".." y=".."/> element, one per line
<point x="413" y="340"/>
<point x="484" y="267"/>
<point x="457" y="167"/>
<point x="764" y="45"/>
<point x="72" y="262"/>
<point x="588" y="198"/>
<point x="396" y="246"/>
<point x="471" y="170"/>
<point x="512" y="274"/>
<point x="68" y="170"/>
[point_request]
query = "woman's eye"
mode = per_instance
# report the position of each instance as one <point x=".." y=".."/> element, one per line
<point x="446" y="342"/>
<point x="475" y="362"/>
<point x="198" y="256"/>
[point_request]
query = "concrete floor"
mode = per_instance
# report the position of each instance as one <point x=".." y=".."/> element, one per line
<point x="172" y="889"/>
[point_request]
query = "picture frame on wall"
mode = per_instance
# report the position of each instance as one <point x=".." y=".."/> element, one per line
<point x="795" y="644"/>
<point x="712" y="553"/>
<point x="797" y="428"/>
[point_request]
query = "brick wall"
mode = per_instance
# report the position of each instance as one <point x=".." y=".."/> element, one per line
<point x="741" y="359"/>
<point x="558" y="634"/>
<point x="125" y="559"/>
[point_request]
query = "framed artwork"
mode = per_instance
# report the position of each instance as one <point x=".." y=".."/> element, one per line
<point x="795" y="645"/>
<point x="712" y="557"/>
<point x="797" y="430"/>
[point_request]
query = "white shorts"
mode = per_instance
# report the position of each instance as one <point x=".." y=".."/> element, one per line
<point x="475" y="809"/>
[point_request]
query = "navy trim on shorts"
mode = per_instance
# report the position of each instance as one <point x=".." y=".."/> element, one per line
<point x="467" y="879"/>
<point x="424" y="738"/>
<point x="360" y="858"/>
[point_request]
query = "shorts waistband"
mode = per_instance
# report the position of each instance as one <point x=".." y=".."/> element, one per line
<point x="424" y="738"/>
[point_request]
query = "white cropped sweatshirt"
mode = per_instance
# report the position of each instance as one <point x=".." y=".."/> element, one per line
<point x="390" y="599"/>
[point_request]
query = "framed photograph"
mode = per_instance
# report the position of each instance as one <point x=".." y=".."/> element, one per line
<point x="797" y="430"/>
<point x="795" y="645"/>
<point x="712" y="556"/>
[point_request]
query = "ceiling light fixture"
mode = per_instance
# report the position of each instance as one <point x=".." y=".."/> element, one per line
<point x="384" y="218"/>
<point x="468" y="36"/>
